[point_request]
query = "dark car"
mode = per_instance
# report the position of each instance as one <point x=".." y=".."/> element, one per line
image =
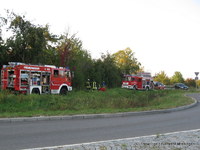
<point x="181" y="86"/>
<point x="159" y="85"/>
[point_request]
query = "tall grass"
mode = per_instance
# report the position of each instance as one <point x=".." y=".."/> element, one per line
<point x="77" y="102"/>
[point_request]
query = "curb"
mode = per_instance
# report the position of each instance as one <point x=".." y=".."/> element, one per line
<point x="91" y="116"/>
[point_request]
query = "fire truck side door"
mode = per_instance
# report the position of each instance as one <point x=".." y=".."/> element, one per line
<point x="3" y="80"/>
<point x="55" y="79"/>
<point x="139" y="83"/>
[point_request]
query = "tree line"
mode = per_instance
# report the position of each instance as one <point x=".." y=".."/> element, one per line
<point x="176" y="78"/>
<point x="35" y="44"/>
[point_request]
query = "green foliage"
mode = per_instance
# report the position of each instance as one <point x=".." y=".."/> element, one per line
<point x="3" y="56"/>
<point x="126" y="61"/>
<point x="68" y="46"/>
<point x="177" y="78"/>
<point x="81" y="64"/>
<point x="28" y="42"/>
<point x="162" y="77"/>
<point x="111" y="74"/>
<point x="34" y="44"/>
<point x="190" y="82"/>
<point x="198" y="83"/>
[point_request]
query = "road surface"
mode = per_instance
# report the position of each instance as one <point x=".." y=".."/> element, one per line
<point x="21" y="135"/>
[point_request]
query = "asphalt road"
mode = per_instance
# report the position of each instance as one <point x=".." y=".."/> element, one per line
<point x="21" y="135"/>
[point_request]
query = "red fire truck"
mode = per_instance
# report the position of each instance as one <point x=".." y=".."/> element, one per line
<point x="142" y="81"/>
<point x="38" y="79"/>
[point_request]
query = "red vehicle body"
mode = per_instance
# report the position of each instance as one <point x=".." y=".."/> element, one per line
<point x="39" y="79"/>
<point x="137" y="82"/>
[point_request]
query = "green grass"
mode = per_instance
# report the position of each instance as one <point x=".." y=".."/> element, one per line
<point x="83" y="102"/>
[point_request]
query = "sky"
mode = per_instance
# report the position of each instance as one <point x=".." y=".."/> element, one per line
<point x="163" y="34"/>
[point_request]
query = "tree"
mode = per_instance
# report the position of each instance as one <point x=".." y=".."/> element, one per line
<point x="162" y="77"/>
<point x="67" y="44"/>
<point x="111" y="74"/>
<point x="28" y="42"/>
<point x="126" y="61"/>
<point x="190" y="82"/>
<point x="198" y="83"/>
<point x="177" y="78"/>
<point x="3" y="53"/>
<point x="74" y="56"/>
<point x="81" y="63"/>
<point x="79" y="60"/>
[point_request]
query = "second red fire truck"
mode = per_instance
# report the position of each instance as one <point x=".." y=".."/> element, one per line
<point x="141" y="81"/>
<point x="38" y="79"/>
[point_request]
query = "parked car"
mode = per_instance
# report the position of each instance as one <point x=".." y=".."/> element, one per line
<point x="159" y="85"/>
<point x="181" y="86"/>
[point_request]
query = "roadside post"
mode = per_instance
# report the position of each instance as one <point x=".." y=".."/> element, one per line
<point x="196" y="78"/>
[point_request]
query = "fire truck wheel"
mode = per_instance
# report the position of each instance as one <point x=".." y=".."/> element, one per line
<point x="35" y="91"/>
<point x="63" y="91"/>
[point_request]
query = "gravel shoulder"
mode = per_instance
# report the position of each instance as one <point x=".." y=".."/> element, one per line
<point x="183" y="140"/>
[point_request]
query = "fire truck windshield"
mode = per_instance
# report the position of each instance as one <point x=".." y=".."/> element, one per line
<point x="68" y="74"/>
<point x="62" y="73"/>
<point x="128" y="78"/>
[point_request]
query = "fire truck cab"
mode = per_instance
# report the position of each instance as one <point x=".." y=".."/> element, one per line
<point x="137" y="82"/>
<point x="38" y="79"/>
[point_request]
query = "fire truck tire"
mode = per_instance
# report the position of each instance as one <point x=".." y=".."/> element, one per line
<point x="63" y="91"/>
<point x="35" y="91"/>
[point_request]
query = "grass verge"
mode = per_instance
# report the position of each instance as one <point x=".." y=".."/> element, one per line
<point x="84" y="102"/>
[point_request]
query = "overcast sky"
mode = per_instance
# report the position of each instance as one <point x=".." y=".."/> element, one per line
<point x="164" y="34"/>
